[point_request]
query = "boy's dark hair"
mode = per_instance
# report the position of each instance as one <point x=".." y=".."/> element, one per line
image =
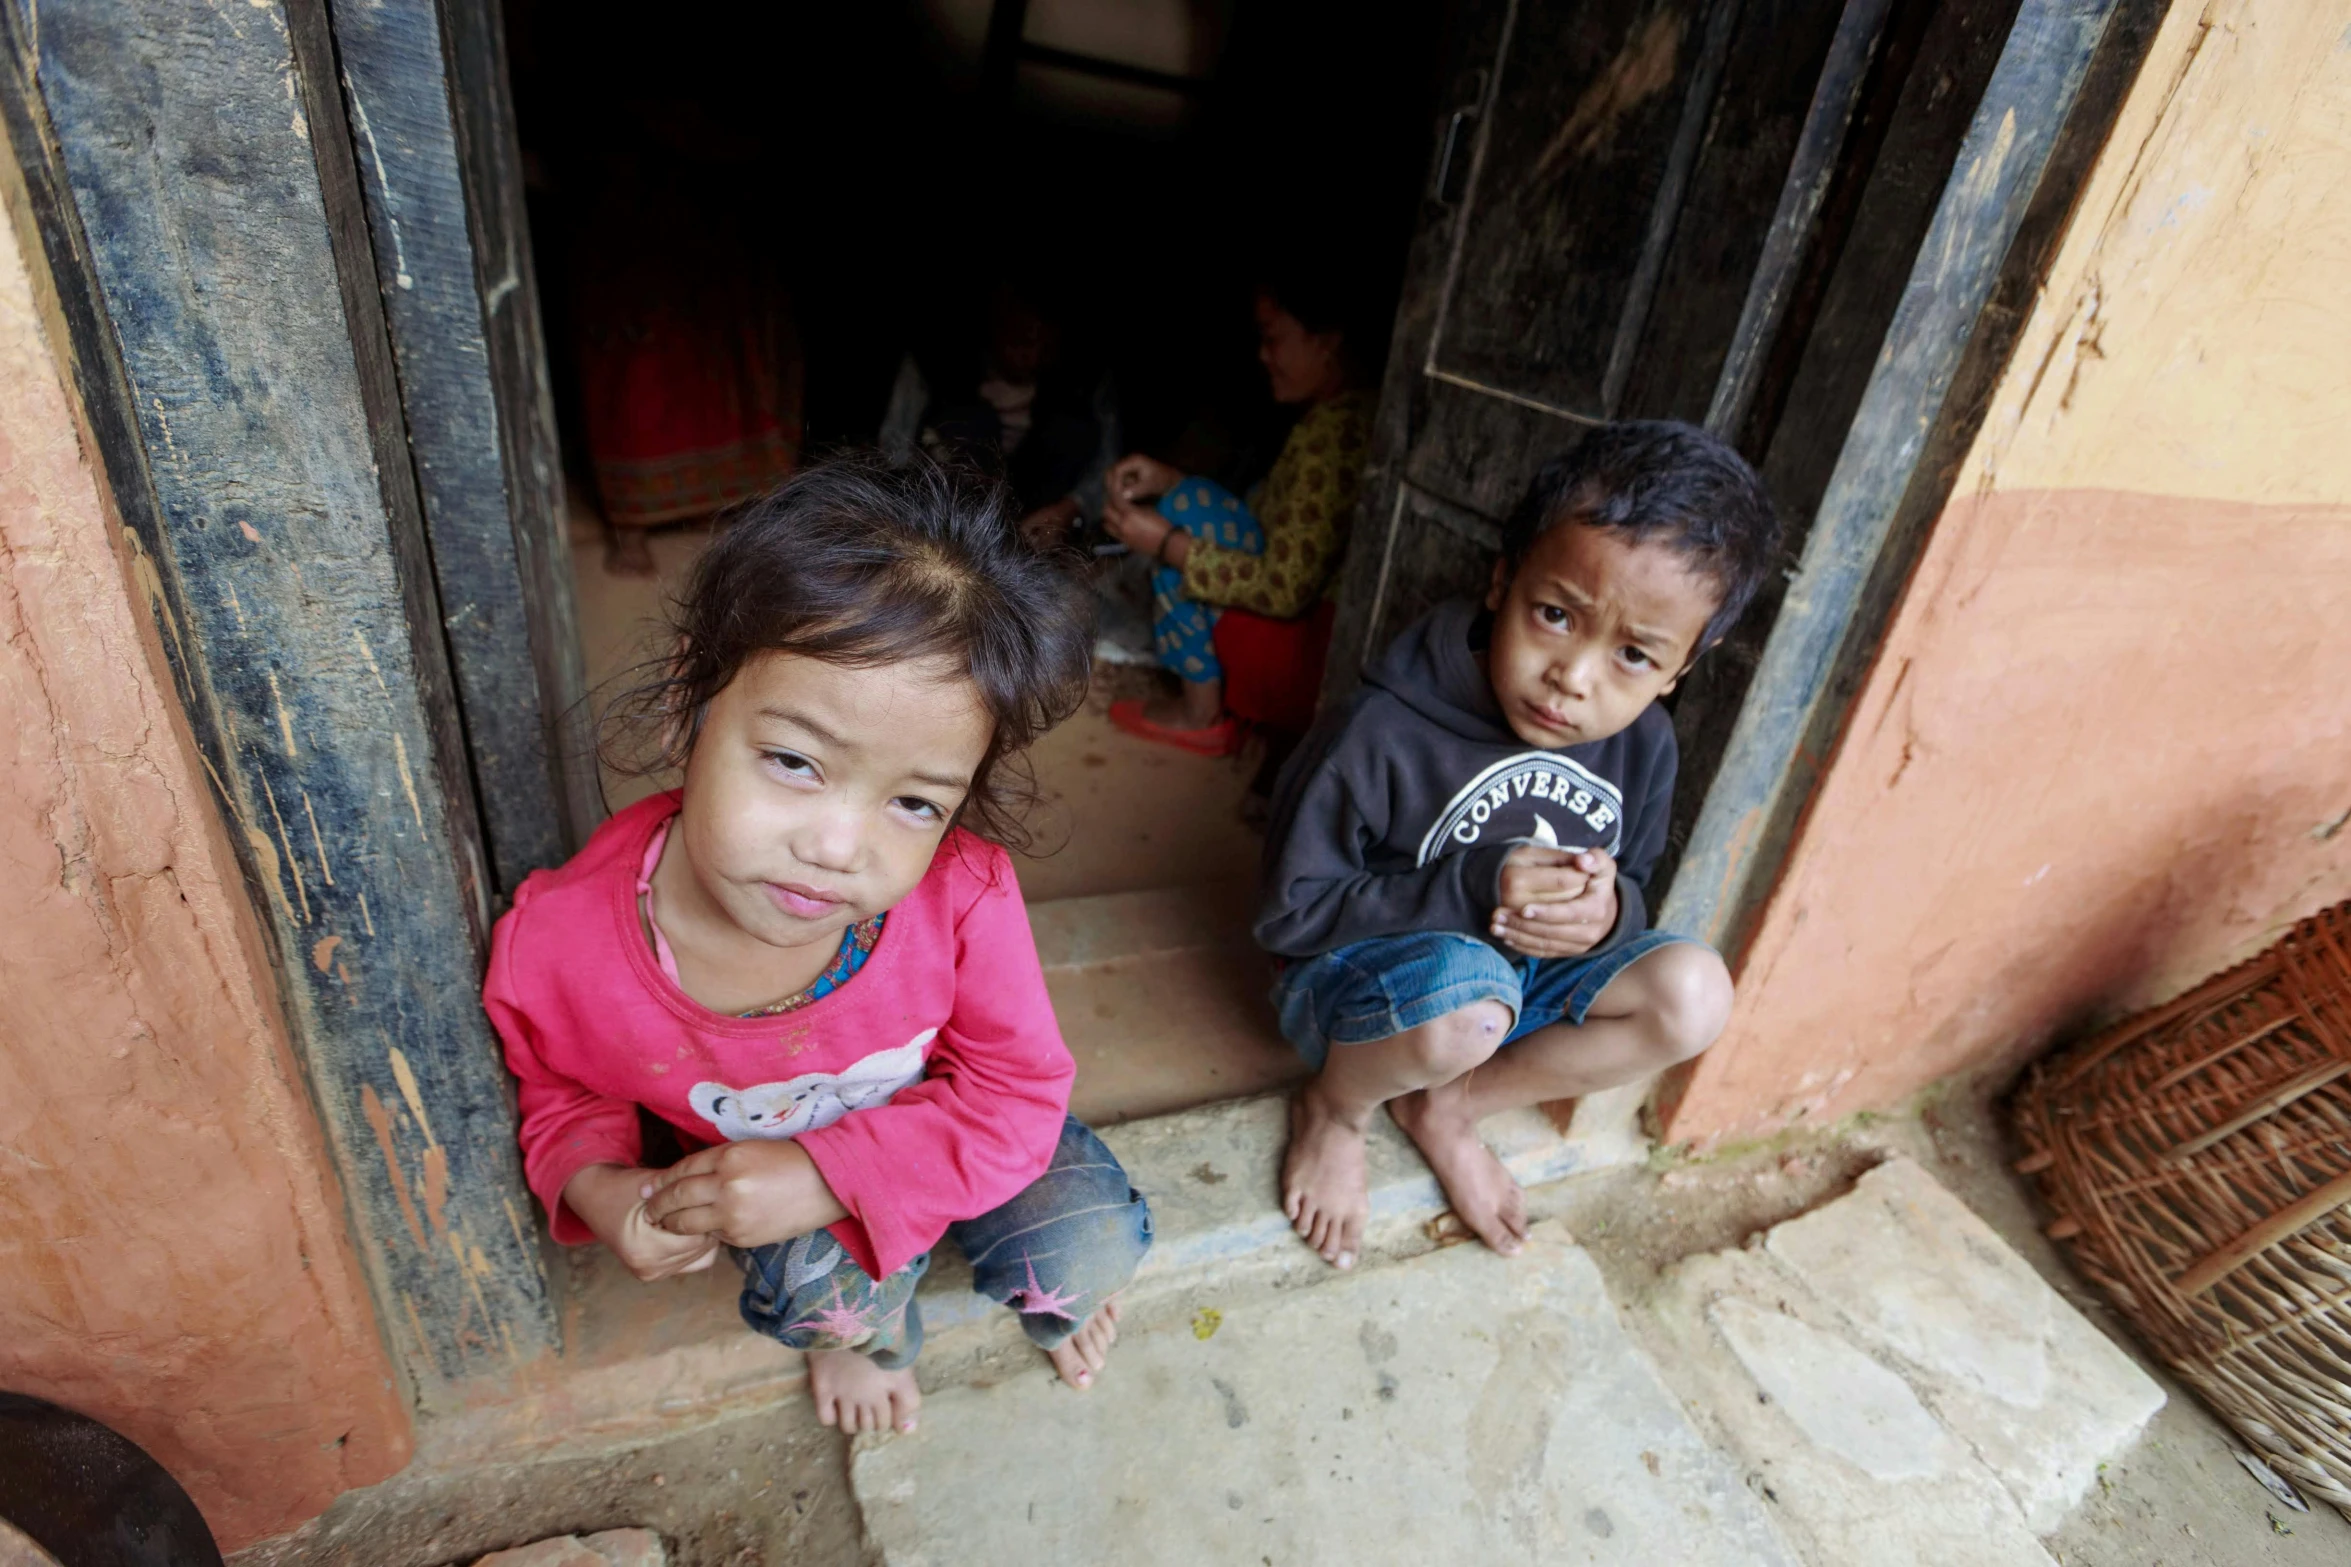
<point x="1664" y="481"/>
<point x="861" y="561"/>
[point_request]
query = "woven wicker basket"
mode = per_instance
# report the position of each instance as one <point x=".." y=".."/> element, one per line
<point x="2199" y="1160"/>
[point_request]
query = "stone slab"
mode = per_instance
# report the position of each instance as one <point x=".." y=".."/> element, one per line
<point x="2039" y="1393"/>
<point x="611" y="1548"/>
<point x="1857" y="1470"/>
<point x="1461" y="1408"/>
<point x="628" y="1548"/>
<point x="563" y="1551"/>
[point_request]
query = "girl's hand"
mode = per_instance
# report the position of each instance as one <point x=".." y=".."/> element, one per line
<point x="1137" y="527"/>
<point x="747" y="1194"/>
<point x="1136" y="475"/>
<point x="605" y="1198"/>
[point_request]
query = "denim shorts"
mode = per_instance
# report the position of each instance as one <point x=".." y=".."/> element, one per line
<point x="1371" y="990"/>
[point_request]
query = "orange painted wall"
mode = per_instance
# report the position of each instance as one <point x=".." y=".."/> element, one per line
<point x="173" y="1258"/>
<point x="2106" y="747"/>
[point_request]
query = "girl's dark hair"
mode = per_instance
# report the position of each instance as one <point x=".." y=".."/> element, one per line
<point x="1662" y="480"/>
<point x="862" y="561"/>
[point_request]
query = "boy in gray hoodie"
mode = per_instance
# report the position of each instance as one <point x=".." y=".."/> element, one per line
<point x="1456" y="859"/>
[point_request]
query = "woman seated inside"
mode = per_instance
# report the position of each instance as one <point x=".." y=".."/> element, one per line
<point x="1272" y="558"/>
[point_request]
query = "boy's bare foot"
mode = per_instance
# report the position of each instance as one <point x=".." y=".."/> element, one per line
<point x="1083" y="1354"/>
<point x="1482" y="1192"/>
<point x="1325" y="1186"/>
<point x="855" y="1394"/>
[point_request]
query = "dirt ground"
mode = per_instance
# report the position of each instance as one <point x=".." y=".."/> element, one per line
<point x="763" y="1490"/>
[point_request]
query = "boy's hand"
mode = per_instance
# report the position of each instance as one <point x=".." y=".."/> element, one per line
<point x="747" y="1194"/>
<point x="1559" y="926"/>
<point x="605" y="1196"/>
<point x="1532" y="874"/>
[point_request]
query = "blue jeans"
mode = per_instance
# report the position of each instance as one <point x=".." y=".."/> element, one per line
<point x="1067" y="1243"/>
<point x="1376" y="989"/>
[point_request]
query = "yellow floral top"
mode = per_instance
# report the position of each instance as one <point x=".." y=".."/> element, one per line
<point x="1306" y="506"/>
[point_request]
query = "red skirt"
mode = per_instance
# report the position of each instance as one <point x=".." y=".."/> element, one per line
<point x="689" y="361"/>
<point x="1273" y="668"/>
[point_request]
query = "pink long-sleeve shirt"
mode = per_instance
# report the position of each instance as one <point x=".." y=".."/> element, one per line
<point x="929" y="1088"/>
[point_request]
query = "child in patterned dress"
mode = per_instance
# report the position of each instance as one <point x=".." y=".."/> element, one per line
<point x="1213" y="551"/>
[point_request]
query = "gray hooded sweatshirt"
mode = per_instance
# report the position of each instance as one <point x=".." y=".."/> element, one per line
<point x="1397" y="811"/>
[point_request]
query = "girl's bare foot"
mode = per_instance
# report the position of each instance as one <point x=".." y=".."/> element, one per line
<point x="629" y="553"/>
<point x="1083" y="1354"/>
<point x="1325" y="1186"/>
<point x="1482" y="1192"/>
<point x="855" y="1394"/>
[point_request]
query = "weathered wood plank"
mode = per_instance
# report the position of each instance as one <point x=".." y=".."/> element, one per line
<point x="481" y="98"/>
<point x="1929" y="74"/>
<point x="229" y="384"/>
<point x="1838" y="87"/>
<point x="1740" y="183"/>
<point x="1478" y="34"/>
<point x="1674" y="287"/>
<point x="1795" y="707"/>
<point x="1576" y="164"/>
<point x="312" y="51"/>
<point x="499" y="556"/>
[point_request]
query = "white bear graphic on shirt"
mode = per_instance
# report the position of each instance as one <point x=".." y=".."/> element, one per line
<point x="814" y="1099"/>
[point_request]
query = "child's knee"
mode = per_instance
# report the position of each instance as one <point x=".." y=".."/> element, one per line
<point x="1690" y="995"/>
<point x="1078" y="1232"/>
<point x="1450" y="1045"/>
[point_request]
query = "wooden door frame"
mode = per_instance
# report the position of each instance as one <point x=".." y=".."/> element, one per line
<point x="2043" y="120"/>
<point x="321" y="415"/>
<point x="2043" y="116"/>
<point x="336" y="478"/>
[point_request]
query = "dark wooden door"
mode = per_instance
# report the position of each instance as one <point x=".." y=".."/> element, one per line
<point x="1652" y="209"/>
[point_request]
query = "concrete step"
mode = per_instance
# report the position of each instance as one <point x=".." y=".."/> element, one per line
<point x="1162" y="998"/>
<point x="1457" y="1409"/>
<point x="1879" y="1382"/>
<point x="1161" y="995"/>
<point x="1213" y="1178"/>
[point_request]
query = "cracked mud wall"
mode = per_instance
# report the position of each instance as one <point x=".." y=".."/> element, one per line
<point x="2106" y="747"/>
<point x="173" y="1257"/>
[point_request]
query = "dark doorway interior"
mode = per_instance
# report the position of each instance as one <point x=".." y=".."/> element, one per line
<point x="886" y="165"/>
<point x="876" y="175"/>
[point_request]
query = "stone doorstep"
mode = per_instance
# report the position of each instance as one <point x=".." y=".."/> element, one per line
<point x="1212" y="1175"/>
<point x="612" y="1548"/>
<point x="1213" y="1178"/>
<point x="1902" y="1386"/>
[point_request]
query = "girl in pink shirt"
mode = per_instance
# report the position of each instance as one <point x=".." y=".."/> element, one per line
<point x="813" y="960"/>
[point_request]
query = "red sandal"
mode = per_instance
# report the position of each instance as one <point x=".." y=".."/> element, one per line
<point x="1221" y="738"/>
